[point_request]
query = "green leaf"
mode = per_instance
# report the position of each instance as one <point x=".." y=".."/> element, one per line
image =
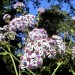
<point x="19" y="45"/>
<point x="72" y="31"/>
<point x="18" y="55"/>
<point x="3" y="53"/>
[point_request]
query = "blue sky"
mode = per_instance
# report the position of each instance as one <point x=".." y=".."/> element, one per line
<point x="46" y="5"/>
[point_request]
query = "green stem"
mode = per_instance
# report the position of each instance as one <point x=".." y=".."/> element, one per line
<point x="31" y="71"/>
<point x="72" y="70"/>
<point x="15" y="57"/>
<point x="11" y="54"/>
<point x="57" y="68"/>
<point x="12" y="61"/>
<point x="69" y="44"/>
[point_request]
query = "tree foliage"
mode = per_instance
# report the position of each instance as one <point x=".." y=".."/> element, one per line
<point x="51" y="19"/>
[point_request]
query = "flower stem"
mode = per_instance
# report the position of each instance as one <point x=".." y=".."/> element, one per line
<point x="11" y="54"/>
<point x="72" y="70"/>
<point x="59" y="63"/>
<point x="12" y="60"/>
<point x="31" y="71"/>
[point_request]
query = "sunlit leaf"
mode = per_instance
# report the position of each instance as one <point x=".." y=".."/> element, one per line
<point x="3" y="53"/>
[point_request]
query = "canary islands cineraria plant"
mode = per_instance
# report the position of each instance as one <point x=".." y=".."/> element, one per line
<point x="38" y="45"/>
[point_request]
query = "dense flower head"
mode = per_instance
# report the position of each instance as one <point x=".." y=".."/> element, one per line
<point x="22" y="22"/>
<point x="37" y="34"/>
<point x="12" y="28"/>
<point x="34" y="52"/>
<point x="46" y="46"/>
<point x="31" y="57"/>
<point x="31" y="61"/>
<point x="19" y="4"/>
<point x="41" y="10"/>
<point x="16" y="23"/>
<point x="28" y="19"/>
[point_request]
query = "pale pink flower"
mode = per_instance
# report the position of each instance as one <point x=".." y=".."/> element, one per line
<point x="36" y="34"/>
<point x="73" y="18"/>
<point x="41" y="10"/>
<point x="19" y="4"/>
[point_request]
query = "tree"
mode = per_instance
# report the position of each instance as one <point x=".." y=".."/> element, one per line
<point x="51" y="19"/>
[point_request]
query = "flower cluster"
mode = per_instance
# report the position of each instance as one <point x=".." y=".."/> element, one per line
<point x="28" y="19"/>
<point x="18" y="4"/>
<point x="34" y="54"/>
<point x="16" y="24"/>
<point x="46" y="47"/>
<point x="37" y="34"/>
<point x="22" y="22"/>
<point x="41" y="10"/>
